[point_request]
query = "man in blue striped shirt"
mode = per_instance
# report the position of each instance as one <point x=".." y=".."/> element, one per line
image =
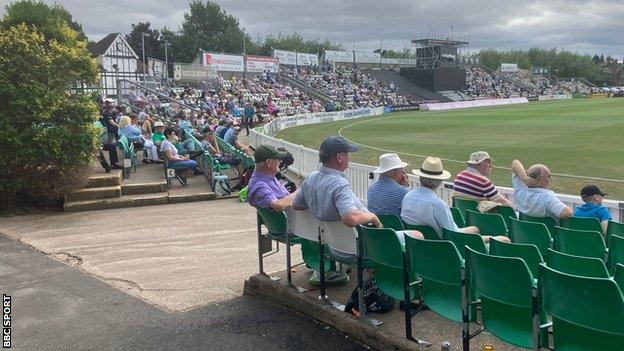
<point x="385" y="196"/>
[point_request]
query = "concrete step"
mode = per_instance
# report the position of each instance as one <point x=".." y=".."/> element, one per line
<point x="136" y="200"/>
<point x="143" y="188"/>
<point x="111" y="179"/>
<point x="94" y="193"/>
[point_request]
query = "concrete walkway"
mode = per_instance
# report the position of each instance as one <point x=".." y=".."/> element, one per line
<point x="57" y="307"/>
<point x="175" y="256"/>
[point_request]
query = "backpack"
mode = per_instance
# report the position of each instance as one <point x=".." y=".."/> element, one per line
<point x="374" y="300"/>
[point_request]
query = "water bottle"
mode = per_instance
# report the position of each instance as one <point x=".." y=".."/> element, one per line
<point x="446" y="346"/>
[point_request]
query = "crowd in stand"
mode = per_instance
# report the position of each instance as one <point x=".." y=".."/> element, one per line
<point x="484" y="84"/>
<point x="348" y="88"/>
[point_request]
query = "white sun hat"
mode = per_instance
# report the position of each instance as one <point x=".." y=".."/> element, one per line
<point x="388" y="162"/>
<point x="478" y="157"/>
<point x="432" y="168"/>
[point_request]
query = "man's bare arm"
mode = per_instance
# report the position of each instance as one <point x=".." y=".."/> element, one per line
<point x="355" y="217"/>
<point x="518" y="169"/>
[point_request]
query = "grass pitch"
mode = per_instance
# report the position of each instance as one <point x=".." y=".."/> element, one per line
<point x="576" y="139"/>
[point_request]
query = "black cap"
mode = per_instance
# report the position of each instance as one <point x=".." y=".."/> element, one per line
<point x="336" y="144"/>
<point x="266" y="152"/>
<point x="589" y="190"/>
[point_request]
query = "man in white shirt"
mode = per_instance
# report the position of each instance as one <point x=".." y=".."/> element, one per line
<point x="532" y="196"/>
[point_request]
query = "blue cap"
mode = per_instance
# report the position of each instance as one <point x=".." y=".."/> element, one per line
<point x="335" y="144"/>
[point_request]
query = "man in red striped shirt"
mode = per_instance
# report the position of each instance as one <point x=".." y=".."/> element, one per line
<point x="473" y="183"/>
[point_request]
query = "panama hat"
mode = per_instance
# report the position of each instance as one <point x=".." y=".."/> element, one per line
<point x="432" y="168"/>
<point x="158" y="124"/>
<point x="388" y="162"/>
<point x="478" y="157"/>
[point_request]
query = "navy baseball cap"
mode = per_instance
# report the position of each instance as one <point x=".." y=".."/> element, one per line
<point x="336" y="144"/>
<point x="590" y="190"/>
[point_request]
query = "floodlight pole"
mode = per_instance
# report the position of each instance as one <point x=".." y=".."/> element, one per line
<point x="380" y="51"/>
<point x="143" y="50"/>
<point x="166" y="62"/>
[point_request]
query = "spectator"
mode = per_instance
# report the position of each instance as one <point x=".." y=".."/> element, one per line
<point x="182" y="164"/>
<point x="158" y="137"/>
<point x="108" y="118"/>
<point x="108" y="144"/>
<point x="265" y="191"/>
<point x="385" y="196"/>
<point x="133" y="133"/>
<point x="531" y="193"/>
<point x="210" y="144"/>
<point x="473" y="183"/>
<point x="327" y="192"/>
<point x="248" y="117"/>
<point x="422" y="206"/>
<point x="592" y="196"/>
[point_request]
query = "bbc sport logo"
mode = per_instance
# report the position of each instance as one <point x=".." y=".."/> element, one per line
<point x="6" y="321"/>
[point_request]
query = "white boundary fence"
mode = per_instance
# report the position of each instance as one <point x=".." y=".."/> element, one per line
<point x="306" y="159"/>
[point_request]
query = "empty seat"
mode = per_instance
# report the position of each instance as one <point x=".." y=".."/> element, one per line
<point x="577" y="265"/>
<point x="506" y="289"/>
<point x="535" y="233"/>
<point x="529" y="253"/>
<point x="428" y="232"/>
<point x="474" y="241"/>
<point x="463" y="204"/>
<point x="587" y="312"/>
<point x="488" y="223"/>
<point x="548" y="221"/>
<point x="439" y="264"/>
<point x="579" y="242"/>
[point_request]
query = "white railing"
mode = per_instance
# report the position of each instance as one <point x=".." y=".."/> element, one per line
<point x="359" y="175"/>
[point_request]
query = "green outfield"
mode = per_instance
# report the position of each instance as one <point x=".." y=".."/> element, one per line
<point x="575" y="138"/>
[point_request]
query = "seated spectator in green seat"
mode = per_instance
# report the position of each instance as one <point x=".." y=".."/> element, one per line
<point x="592" y="196"/>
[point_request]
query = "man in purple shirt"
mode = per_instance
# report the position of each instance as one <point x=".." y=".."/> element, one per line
<point x="265" y="191"/>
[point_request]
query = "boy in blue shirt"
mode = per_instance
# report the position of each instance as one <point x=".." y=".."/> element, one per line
<point x="592" y="196"/>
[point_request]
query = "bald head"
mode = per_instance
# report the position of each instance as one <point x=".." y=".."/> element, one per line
<point x="541" y="173"/>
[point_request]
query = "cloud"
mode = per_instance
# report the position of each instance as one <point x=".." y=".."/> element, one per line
<point x="591" y="27"/>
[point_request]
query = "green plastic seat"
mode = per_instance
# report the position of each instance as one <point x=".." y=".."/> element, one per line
<point x="488" y="223"/>
<point x="506" y="288"/>
<point x="616" y="252"/>
<point x="579" y="242"/>
<point x="384" y="249"/>
<point x="428" y="232"/>
<point x="275" y="222"/>
<point x="587" y="313"/>
<point x="507" y="212"/>
<point x="529" y="253"/>
<point x="391" y="221"/>
<point x="577" y="265"/>
<point x="463" y="204"/>
<point x="550" y="222"/>
<point x="614" y="228"/>
<point x="127" y="148"/>
<point x="474" y="241"/>
<point x="535" y="233"/>
<point x="581" y="223"/>
<point x="619" y="276"/>
<point x="392" y="271"/>
<point x="458" y="217"/>
<point x="439" y="265"/>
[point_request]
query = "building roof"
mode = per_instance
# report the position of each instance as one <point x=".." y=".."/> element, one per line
<point x="100" y="48"/>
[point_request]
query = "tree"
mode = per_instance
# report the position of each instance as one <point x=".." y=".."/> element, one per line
<point x="207" y="27"/>
<point x="296" y="42"/>
<point x="47" y="134"/>
<point x="46" y="18"/>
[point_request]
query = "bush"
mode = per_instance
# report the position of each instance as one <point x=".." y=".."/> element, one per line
<point x="47" y="134"/>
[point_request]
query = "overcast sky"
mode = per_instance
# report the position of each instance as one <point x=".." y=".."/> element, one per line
<point x="581" y="26"/>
